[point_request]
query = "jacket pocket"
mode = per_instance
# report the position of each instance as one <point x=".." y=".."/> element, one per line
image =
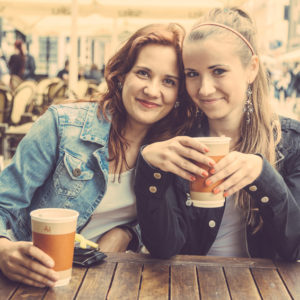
<point x="71" y="175"/>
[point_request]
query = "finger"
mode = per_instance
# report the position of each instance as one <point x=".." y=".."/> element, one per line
<point x="235" y="188"/>
<point x="39" y="255"/>
<point x="234" y="180"/>
<point x="196" y="156"/>
<point x="193" y="143"/>
<point x="175" y="169"/>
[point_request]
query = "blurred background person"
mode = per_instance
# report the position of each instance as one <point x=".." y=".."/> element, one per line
<point x="64" y="73"/>
<point x="4" y="73"/>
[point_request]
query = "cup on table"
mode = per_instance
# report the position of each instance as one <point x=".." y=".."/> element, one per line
<point x="201" y="194"/>
<point x="53" y="231"/>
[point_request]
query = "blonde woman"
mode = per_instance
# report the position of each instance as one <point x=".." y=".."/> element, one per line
<point x="261" y="217"/>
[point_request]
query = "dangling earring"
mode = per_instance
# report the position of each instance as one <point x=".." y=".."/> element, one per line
<point x="120" y="85"/>
<point x="177" y="104"/>
<point x="248" y="108"/>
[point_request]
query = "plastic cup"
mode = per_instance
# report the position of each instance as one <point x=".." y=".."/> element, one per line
<point x="201" y="194"/>
<point x="53" y="231"/>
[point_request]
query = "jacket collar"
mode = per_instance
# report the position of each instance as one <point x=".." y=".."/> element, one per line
<point x="95" y="130"/>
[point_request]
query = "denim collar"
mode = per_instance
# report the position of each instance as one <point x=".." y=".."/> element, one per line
<point x="95" y="130"/>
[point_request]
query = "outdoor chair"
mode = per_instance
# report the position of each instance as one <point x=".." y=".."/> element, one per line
<point x="15" y="81"/>
<point x="5" y="103"/>
<point x="22" y="101"/>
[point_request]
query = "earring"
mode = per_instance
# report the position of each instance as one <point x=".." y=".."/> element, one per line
<point x="120" y="85"/>
<point x="177" y="104"/>
<point x="248" y="108"/>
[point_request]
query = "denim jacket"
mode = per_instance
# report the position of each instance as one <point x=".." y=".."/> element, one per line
<point x="61" y="162"/>
<point x="171" y="225"/>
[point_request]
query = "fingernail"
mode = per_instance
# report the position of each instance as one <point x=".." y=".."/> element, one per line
<point x="216" y="191"/>
<point x="212" y="171"/>
<point x="206" y="149"/>
<point x="212" y="164"/>
<point x="226" y="194"/>
<point x="208" y="182"/>
<point x="204" y="173"/>
<point x="192" y="178"/>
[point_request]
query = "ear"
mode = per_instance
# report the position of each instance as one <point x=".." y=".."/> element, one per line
<point x="253" y="68"/>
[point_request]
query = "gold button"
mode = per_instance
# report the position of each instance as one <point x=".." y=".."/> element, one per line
<point x="264" y="199"/>
<point x="76" y="172"/>
<point x="157" y="175"/>
<point x="152" y="189"/>
<point x="212" y="224"/>
<point x="253" y="188"/>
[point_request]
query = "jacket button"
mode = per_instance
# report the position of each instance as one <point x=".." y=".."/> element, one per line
<point x="264" y="199"/>
<point x="253" y="188"/>
<point x="188" y="202"/>
<point x="212" y="224"/>
<point x="76" y="172"/>
<point x="157" y="175"/>
<point x="152" y="189"/>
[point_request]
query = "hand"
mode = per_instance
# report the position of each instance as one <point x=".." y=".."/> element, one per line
<point x="176" y="156"/>
<point x="23" y="262"/>
<point x="115" y="240"/>
<point x="238" y="169"/>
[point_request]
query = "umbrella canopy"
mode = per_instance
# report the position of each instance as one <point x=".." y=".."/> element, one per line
<point x="52" y="17"/>
<point x="98" y="17"/>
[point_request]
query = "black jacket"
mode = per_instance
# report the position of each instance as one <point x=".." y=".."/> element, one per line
<point x="170" y="225"/>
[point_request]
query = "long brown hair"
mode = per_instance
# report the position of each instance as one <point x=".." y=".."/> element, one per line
<point x="111" y="105"/>
<point x="262" y="134"/>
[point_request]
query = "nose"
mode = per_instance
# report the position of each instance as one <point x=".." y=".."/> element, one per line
<point x="206" y="87"/>
<point x="152" y="89"/>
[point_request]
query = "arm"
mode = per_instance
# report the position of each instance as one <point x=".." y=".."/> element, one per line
<point x="21" y="261"/>
<point x="162" y="224"/>
<point x="278" y="199"/>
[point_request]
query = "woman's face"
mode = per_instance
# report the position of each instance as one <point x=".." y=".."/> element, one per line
<point x="150" y="88"/>
<point x="216" y="80"/>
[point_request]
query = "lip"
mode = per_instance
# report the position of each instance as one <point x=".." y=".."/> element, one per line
<point x="211" y="100"/>
<point x="147" y="104"/>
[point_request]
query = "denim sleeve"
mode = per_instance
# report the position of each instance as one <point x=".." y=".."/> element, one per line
<point x="278" y="198"/>
<point x="32" y="163"/>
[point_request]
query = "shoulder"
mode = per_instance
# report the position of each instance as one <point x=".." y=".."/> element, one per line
<point x="74" y="113"/>
<point x="290" y="134"/>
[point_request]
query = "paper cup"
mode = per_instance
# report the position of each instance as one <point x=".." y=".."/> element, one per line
<point x="53" y="231"/>
<point x="201" y="194"/>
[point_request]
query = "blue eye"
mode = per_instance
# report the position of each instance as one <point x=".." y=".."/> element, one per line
<point x="191" y="74"/>
<point x="219" y="71"/>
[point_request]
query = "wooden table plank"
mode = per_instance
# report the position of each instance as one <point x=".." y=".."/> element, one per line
<point x="7" y="287"/>
<point x="68" y="291"/>
<point x="29" y="293"/>
<point x="97" y="282"/>
<point x="155" y="282"/>
<point x="184" y="282"/>
<point x="212" y="283"/>
<point x="126" y="282"/>
<point x="290" y="273"/>
<point x="269" y="284"/>
<point x="241" y="284"/>
<point x="192" y="260"/>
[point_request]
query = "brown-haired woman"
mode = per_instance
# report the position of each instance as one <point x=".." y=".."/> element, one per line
<point x="228" y="84"/>
<point x="82" y="155"/>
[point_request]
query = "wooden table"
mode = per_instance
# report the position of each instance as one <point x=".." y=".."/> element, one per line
<point x="137" y="276"/>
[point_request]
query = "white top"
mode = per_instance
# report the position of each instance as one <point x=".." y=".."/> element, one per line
<point x="231" y="238"/>
<point x="117" y="207"/>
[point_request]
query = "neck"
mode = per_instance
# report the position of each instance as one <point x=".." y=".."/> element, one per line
<point x="135" y="133"/>
<point x="228" y="128"/>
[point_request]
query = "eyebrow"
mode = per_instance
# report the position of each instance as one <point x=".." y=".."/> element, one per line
<point x="168" y="75"/>
<point x="210" y="67"/>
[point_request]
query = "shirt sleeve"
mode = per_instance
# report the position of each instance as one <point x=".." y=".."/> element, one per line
<point x="278" y="199"/>
<point x="31" y="165"/>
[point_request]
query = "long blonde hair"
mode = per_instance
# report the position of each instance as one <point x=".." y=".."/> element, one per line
<point x="263" y="132"/>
